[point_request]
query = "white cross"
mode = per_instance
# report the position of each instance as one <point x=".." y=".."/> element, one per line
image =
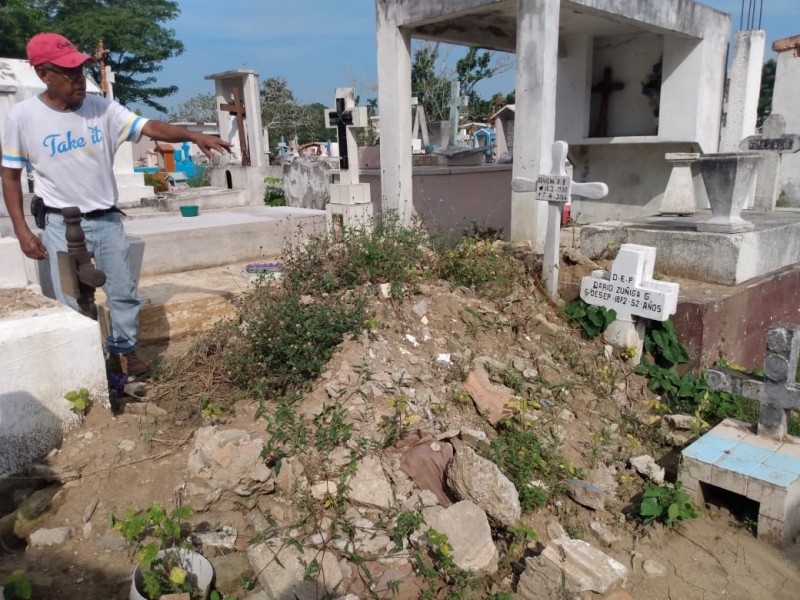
<point x="556" y="189"/>
<point x="629" y="287"/>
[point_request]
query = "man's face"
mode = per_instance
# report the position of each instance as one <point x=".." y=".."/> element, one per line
<point x="66" y="85"/>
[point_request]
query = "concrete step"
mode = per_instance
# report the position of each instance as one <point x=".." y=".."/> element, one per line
<point x="206" y="198"/>
<point x="174" y="244"/>
<point x="178" y="306"/>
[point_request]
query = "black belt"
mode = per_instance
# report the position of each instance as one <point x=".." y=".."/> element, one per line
<point x="92" y="214"/>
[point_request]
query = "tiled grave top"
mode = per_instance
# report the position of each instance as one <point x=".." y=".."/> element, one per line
<point x="733" y="446"/>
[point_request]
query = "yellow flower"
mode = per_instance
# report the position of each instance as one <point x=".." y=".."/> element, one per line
<point x="177" y="576"/>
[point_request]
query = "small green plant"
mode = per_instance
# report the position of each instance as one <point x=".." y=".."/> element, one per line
<point x="666" y="504"/>
<point x="518" y="454"/>
<point x="157" y="181"/>
<point x="274" y="194"/>
<point x="79" y="401"/>
<point x="290" y="340"/>
<point x="215" y="595"/>
<point x="592" y="319"/>
<point x="661" y="342"/>
<point x="200" y="178"/>
<point x="477" y="263"/>
<point x="161" y="530"/>
<point x="16" y="586"/>
<point x="208" y="409"/>
<point x="443" y="568"/>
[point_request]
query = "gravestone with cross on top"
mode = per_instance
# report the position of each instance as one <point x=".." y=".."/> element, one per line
<point x="762" y="465"/>
<point x="350" y="202"/>
<point x="556" y="189"/>
<point x="778" y="391"/>
<point x="629" y="289"/>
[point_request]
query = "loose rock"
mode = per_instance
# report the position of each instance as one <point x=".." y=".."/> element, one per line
<point x="467" y="529"/>
<point x="474" y="478"/>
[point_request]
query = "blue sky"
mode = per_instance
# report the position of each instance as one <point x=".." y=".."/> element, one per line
<point x="319" y="45"/>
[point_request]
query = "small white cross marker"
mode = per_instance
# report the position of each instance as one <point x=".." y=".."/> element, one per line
<point x="556" y="189"/>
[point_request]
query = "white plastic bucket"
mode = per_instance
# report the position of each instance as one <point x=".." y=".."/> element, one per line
<point x="196" y="565"/>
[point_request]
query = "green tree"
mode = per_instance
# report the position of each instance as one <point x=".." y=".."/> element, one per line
<point x="430" y="82"/>
<point x="767" y="86"/>
<point x="134" y="33"/>
<point x="199" y="108"/>
<point x="284" y="116"/>
<point x="475" y="66"/>
<point x="19" y="20"/>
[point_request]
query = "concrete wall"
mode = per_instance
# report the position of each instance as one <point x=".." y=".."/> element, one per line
<point x="306" y="180"/>
<point x="786" y="102"/>
<point x="44" y="353"/>
<point x="249" y="179"/>
<point x="456" y="200"/>
<point x="636" y="175"/>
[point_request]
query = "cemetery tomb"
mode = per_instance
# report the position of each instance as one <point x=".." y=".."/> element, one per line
<point x="762" y="465"/>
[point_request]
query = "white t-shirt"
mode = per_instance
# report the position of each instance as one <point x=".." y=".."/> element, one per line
<point x="70" y="152"/>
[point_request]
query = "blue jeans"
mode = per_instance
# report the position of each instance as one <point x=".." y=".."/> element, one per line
<point x="106" y="242"/>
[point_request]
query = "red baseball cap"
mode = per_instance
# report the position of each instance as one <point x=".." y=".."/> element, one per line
<point x="56" y="49"/>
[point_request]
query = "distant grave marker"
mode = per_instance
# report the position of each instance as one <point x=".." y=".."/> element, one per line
<point x="771" y="144"/>
<point x="350" y="202"/>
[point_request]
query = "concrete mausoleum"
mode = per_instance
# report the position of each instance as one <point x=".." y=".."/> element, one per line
<point x="580" y="68"/>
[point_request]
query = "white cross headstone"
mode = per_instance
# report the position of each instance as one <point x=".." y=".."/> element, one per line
<point x="343" y="117"/>
<point x="630" y="290"/>
<point x="556" y="189"/>
<point x="350" y="204"/>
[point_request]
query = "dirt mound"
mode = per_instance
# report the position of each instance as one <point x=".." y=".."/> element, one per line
<point x="406" y="373"/>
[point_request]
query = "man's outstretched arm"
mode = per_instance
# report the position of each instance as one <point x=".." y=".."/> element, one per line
<point x="164" y="132"/>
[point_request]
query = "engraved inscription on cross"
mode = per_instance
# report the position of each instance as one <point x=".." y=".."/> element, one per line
<point x="556" y="189"/>
<point x="778" y="391"/>
<point x="237" y="109"/>
<point x="629" y="287"/>
<point x="343" y="118"/>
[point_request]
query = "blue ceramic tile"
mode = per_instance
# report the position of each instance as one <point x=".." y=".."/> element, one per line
<point x="774" y="476"/>
<point x="717" y="441"/>
<point x="745" y="450"/>
<point x="703" y="453"/>
<point x="737" y="464"/>
<point x="784" y="463"/>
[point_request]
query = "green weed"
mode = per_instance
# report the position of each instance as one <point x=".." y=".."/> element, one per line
<point x="592" y="319"/>
<point x="666" y="504"/>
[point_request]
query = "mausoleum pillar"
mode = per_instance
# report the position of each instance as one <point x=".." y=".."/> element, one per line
<point x="394" y="96"/>
<point x="785" y="102"/>
<point x="744" y="88"/>
<point x="534" y="127"/>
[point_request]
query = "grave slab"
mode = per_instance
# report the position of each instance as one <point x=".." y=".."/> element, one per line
<point x="733" y="457"/>
<point x="724" y="258"/>
<point x="45" y="351"/>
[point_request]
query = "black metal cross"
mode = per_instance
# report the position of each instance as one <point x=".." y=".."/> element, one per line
<point x="341" y="118"/>
<point x="605" y="88"/>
